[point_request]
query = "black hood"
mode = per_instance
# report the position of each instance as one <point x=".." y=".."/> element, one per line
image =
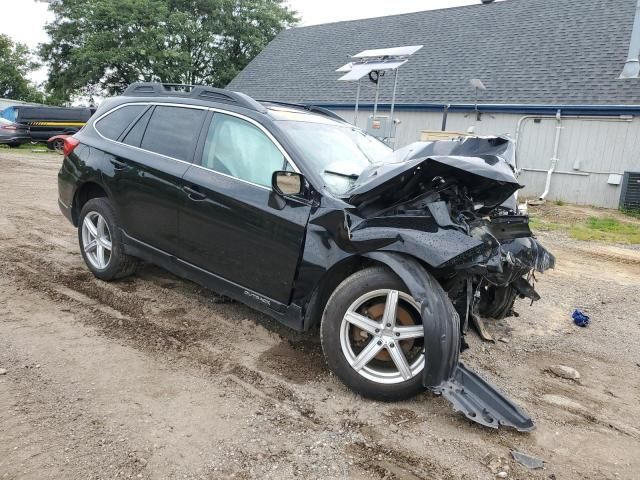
<point x="479" y="164"/>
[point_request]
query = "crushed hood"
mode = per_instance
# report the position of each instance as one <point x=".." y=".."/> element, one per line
<point x="483" y="165"/>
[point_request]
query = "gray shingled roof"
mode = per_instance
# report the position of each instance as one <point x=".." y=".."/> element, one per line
<point x="525" y="52"/>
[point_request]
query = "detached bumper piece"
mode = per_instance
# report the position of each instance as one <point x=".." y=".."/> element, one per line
<point x="481" y="402"/>
<point x="445" y="375"/>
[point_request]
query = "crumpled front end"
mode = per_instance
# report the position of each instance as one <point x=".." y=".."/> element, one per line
<point x="455" y="210"/>
<point x="485" y="285"/>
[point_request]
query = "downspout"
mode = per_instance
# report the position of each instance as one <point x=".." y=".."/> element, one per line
<point x="445" y="113"/>
<point x="554" y="158"/>
<point x="632" y="65"/>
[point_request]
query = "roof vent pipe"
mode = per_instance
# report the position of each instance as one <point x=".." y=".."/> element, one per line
<point x="486" y="2"/>
<point x="632" y="65"/>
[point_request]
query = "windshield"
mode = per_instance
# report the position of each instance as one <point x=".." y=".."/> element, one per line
<point x="338" y="152"/>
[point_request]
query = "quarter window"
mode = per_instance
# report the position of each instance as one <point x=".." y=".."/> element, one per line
<point x="173" y="131"/>
<point x="118" y="120"/>
<point x="134" y="136"/>
<point x="236" y="147"/>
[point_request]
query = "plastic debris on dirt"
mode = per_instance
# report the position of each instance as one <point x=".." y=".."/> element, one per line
<point x="580" y="319"/>
<point x="527" y="460"/>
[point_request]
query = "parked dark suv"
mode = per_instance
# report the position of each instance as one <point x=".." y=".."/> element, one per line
<point x="304" y="217"/>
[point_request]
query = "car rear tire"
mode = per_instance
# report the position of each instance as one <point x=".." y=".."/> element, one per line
<point x="374" y="351"/>
<point x="101" y="241"/>
<point x="57" y="146"/>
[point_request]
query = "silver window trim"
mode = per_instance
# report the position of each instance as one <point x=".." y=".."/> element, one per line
<point x="199" y="107"/>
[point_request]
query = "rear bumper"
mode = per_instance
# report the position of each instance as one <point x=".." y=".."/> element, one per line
<point x="67" y="183"/>
<point x="66" y="210"/>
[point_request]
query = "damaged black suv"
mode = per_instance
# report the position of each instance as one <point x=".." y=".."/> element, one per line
<point x="304" y="217"/>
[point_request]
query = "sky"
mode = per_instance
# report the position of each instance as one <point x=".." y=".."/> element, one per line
<point x="24" y="20"/>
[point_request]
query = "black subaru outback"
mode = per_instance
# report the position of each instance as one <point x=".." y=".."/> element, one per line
<point x="304" y="217"/>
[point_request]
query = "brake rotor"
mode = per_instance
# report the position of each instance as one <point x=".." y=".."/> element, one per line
<point x="375" y="312"/>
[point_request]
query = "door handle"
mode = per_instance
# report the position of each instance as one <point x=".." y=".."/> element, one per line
<point x="194" y="193"/>
<point x="118" y="165"/>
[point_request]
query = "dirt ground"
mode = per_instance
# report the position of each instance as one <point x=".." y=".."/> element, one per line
<point x="154" y="377"/>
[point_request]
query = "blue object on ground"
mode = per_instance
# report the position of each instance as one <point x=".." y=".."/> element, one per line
<point x="580" y="318"/>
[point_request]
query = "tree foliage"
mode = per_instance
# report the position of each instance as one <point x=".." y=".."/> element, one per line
<point x="112" y="43"/>
<point x="15" y="65"/>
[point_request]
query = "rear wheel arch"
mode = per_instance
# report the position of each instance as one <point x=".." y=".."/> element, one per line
<point x="84" y="193"/>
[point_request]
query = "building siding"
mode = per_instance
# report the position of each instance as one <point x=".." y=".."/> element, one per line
<point x="589" y="150"/>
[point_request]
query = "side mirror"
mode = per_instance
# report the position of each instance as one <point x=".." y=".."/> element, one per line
<point x="287" y="183"/>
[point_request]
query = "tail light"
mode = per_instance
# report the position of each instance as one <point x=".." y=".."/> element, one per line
<point x="70" y="144"/>
<point x="9" y="127"/>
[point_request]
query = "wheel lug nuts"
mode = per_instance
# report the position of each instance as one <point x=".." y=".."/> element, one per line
<point x="397" y="334"/>
<point x="388" y="325"/>
<point x="379" y="342"/>
<point x="377" y="330"/>
<point x="392" y="345"/>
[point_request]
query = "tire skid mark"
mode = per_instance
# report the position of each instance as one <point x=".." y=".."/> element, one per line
<point x="386" y="462"/>
<point x="137" y="329"/>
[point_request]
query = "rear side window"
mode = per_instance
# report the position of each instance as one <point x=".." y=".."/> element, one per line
<point x="118" y="120"/>
<point x="173" y="131"/>
<point x="134" y="136"/>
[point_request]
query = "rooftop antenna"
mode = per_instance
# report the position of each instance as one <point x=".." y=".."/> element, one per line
<point x="373" y="64"/>
<point x="477" y="84"/>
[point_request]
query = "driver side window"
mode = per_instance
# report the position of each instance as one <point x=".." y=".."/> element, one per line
<point x="237" y="148"/>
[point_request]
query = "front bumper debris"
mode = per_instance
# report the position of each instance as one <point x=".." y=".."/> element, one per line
<point x="469" y="393"/>
<point x="481" y="402"/>
<point x="478" y="400"/>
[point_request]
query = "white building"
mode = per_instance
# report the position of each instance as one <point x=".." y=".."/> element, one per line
<point x="551" y="69"/>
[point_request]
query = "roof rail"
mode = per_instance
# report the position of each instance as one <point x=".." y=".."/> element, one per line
<point x="199" y="92"/>
<point x="311" y="108"/>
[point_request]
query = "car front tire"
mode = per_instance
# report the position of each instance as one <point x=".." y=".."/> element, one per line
<point x="100" y="241"/>
<point x="372" y="336"/>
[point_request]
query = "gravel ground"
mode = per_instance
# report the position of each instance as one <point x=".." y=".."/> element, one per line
<point x="155" y="377"/>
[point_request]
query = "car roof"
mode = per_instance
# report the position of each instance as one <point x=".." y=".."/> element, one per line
<point x="216" y="97"/>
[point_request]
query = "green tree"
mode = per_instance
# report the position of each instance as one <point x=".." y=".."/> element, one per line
<point x="15" y="65"/>
<point x="109" y="44"/>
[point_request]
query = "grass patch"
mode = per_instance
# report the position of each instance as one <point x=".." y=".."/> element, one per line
<point x="602" y="229"/>
<point x="39" y="147"/>
<point x="606" y="229"/>
<point x="560" y="203"/>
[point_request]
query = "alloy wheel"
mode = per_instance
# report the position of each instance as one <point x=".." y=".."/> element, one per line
<point x="96" y="240"/>
<point x="382" y="336"/>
